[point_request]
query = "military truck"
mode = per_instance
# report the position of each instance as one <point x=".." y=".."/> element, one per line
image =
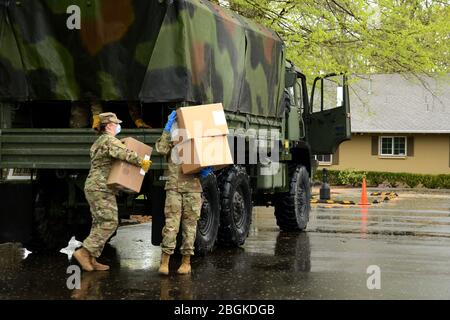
<point x="159" y="54"/>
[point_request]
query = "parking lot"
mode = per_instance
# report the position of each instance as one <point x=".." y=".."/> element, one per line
<point x="407" y="238"/>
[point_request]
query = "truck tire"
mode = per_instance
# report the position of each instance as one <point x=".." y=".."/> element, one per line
<point x="236" y="206"/>
<point x="208" y="224"/>
<point x="292" y="208"/>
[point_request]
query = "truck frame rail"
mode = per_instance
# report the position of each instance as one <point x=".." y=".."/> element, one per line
<point x="61" y="148"/>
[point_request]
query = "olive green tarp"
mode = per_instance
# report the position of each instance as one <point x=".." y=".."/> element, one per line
<point x="151" y="51"/>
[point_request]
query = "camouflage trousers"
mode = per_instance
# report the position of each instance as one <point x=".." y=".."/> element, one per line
<point x="181" y="208"/>
<point x="80" y="113"/>
<point x="105" y="220"/>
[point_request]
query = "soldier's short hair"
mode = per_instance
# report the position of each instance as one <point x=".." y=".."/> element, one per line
<point x="102" y="128"/>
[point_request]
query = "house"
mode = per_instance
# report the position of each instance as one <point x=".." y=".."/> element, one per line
<point x="399" y="124"/>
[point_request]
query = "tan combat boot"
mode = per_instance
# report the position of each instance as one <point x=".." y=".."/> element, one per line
<point x="84" y="259"/>
<point x="185" y="267"/>
<point x="164" y="266"/>
<point x="98" y="266"/>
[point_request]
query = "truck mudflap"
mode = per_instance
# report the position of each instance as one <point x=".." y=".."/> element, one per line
<point x="158" y="196"/>
<point x="61" y="148"/>
<point x="15" y="216"/>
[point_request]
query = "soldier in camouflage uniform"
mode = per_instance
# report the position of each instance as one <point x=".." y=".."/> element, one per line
<point x="100" y="197"/>
<point x="183" y="204"/>
<point x="136" y="115"/>
<point x="79" y="114"/>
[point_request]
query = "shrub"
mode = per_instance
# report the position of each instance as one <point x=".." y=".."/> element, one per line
<point x="351" y="177"/>
<point x="354" y="178"/>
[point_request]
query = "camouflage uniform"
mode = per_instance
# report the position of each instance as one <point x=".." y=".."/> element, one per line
<point x="79" y="113"/>
<point x="183" y="202"/>
<point x="134" y="110"/>
<point x="101" y="198"/>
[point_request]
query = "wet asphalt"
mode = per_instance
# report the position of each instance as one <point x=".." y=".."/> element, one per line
<point x="408" y="238"/>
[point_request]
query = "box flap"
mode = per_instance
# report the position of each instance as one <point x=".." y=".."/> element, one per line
<point x="202" y="121"/>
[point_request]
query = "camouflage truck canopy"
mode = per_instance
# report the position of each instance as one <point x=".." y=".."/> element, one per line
<point x="152" y="51"/>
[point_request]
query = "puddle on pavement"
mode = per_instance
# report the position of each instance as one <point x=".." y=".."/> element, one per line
<point x="406" y="215"/>
<point x="271" y="264"/>
<point x="12" y="255"/>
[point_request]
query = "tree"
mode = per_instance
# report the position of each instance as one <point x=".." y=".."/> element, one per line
<point x="358" y="36"/>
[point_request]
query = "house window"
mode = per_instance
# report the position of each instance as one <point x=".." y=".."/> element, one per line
<point x="324" y="159"/>
<point x="393" y="146"/>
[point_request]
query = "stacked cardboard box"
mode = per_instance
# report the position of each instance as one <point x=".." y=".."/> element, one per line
<point x="125" y="176"/>
<point x="204" y="140"/>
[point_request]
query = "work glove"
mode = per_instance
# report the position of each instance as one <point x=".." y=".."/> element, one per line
<point x="96" y="122"/>
<point x="145" y="165"/>
<point x="205" y="171"/>
<point x="141" y="124"/>
<point x="171" y="120"/>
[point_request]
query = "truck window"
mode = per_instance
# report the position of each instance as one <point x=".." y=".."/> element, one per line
<point x="330" y="97"/>
<point x="292" y="94"/>
<point x="317" y="97"/>
<point x="298" y="96"/>
<point x="332" y="93"/>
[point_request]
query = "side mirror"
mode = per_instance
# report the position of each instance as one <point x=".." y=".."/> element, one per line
<point x="290" y="79"/>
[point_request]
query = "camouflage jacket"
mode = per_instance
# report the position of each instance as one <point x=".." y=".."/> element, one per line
<point x="176" y="179"/>
<point x="103" y="152"/>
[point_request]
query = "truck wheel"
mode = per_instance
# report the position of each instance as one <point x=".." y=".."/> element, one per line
<point x="236" y="202"/>
<point x="208" y="224"/>
<point x="292" y="208"/>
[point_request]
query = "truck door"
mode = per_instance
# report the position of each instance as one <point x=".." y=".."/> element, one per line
<point x="329" y="116"/>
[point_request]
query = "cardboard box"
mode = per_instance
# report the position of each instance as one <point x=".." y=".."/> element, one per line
<point x="125" y="176"/>
<point x="198" y="153"/>
<point x="202" y="121"/>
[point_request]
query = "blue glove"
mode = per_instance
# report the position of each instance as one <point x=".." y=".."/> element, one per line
<point x="205" y="171"/>
<point x="171" y="120"/>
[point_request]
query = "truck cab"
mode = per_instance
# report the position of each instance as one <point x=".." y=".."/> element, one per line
<point x="319" y="119"/>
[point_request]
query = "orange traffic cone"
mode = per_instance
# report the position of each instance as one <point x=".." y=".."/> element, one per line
<point x="364" y="212"/>
<point x="364" y="201"/>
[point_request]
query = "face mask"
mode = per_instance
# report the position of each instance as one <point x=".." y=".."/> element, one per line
<point x="118" y="128"/>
